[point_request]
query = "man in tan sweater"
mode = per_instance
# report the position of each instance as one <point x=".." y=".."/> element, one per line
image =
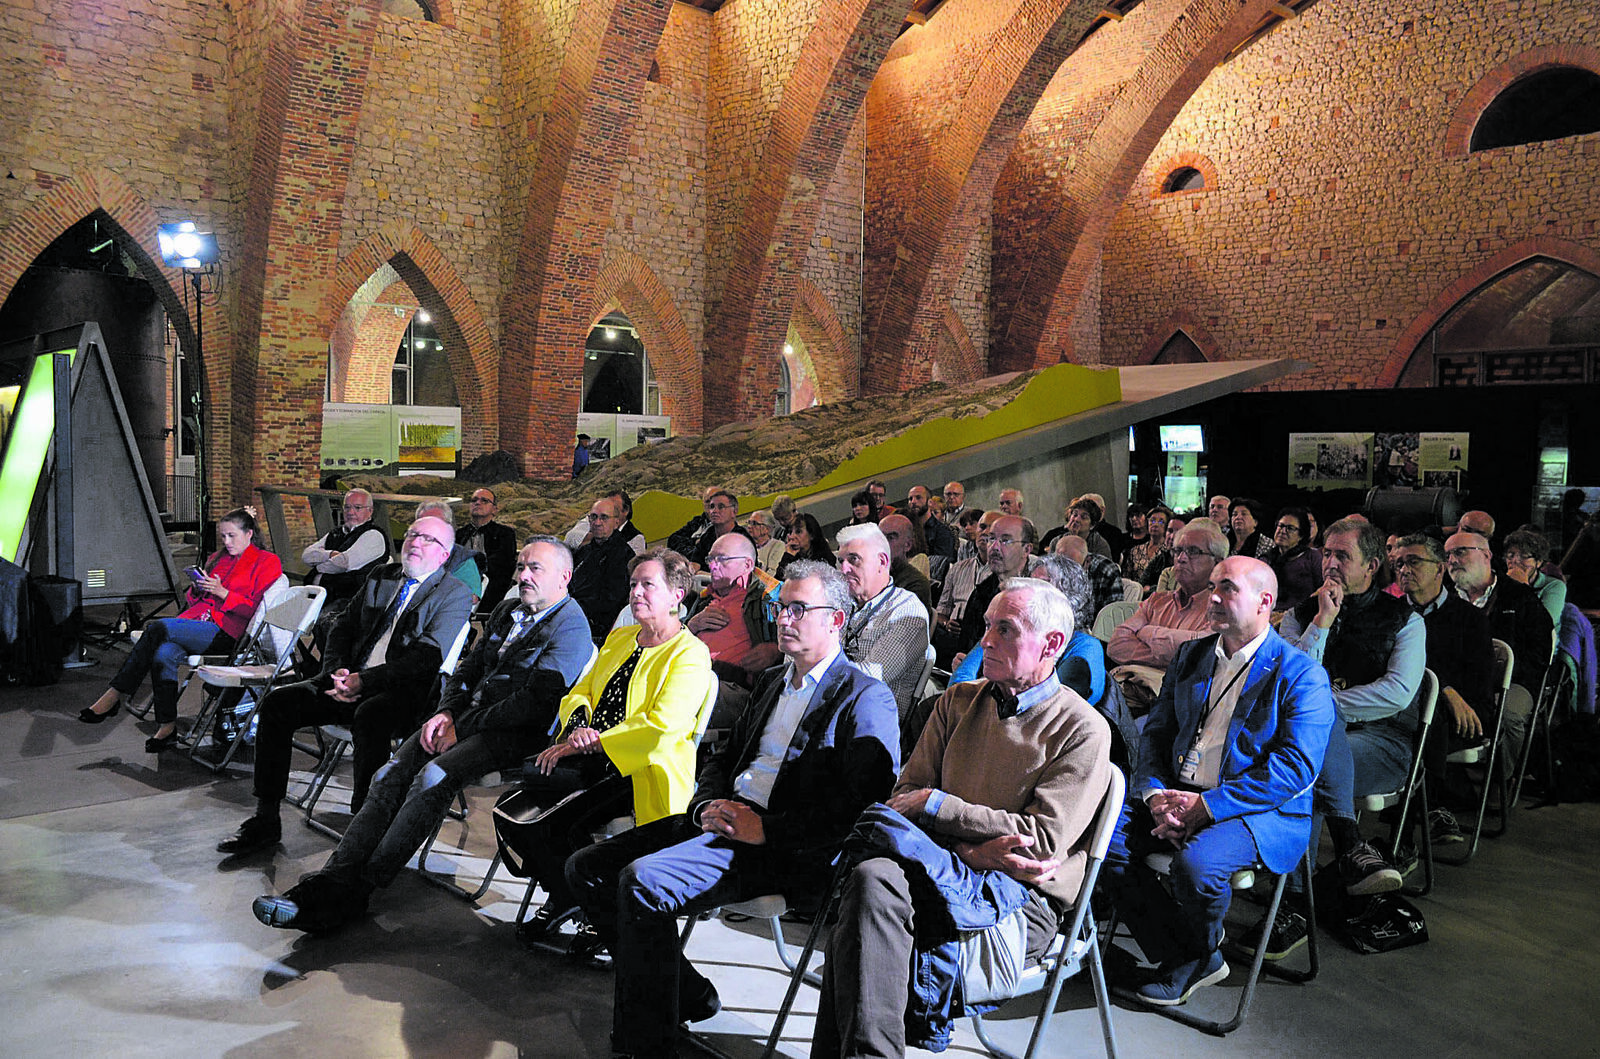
<point x="1007" y="777"/>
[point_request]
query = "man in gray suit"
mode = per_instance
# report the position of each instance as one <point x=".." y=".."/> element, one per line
<point x="381" y="659"/>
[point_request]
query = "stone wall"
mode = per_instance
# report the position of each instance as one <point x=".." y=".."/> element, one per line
<point x="1338" y="214"/>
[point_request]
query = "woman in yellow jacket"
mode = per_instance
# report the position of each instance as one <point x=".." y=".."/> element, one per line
<point x="627" y="732"/>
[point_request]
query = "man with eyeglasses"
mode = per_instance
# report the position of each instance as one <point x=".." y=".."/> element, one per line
<point x="818" y="744"/>
<point x="1011" y="541"/>
<point x="381" y="659"/>
<point x="1460" y="655"/>
<point x="955" y="502"/>
<point x="496" y="546"/>
<point x="887" y="634"/>
<point x="600" y="569"/>
<point x="1166" y="621"/>
<point x="1516" y="615"/>
<point x="722" y="511"/>
<point x="583" y="529"/>
<point x="960" y="581"/>
<point x="731" y="621"/>
<point x="341" y="558"/>
<point x="498" y="708"/>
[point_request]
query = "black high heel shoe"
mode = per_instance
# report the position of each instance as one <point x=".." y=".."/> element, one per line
<point x="88" y="716"/>
<point x="156" y="744"/>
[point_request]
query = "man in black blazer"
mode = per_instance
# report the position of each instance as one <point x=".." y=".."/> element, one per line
<point x="818" y="744"/>
<point x="379" y="664"/>
<point x="495" y="544"/>
<point x="497" y="710"/>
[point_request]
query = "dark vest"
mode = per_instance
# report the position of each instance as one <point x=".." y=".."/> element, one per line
<point x="1361" y="640"/>
<point x="347" y="584"/>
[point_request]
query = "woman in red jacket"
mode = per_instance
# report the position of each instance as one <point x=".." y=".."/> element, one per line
<point x="220" y="605"/>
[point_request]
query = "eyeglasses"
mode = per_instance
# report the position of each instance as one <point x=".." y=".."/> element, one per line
<point x="1005" y="540"/>
<point x="724" y="560"/>
<point x="1462" y="553"/>
<point x="1411" y="562"/>
<point x="413" y="535"/>
<point x="1190" y="553"/>
<point x="600" y="518"/>
<point x="1287" y="527"/>
<point x="793" y="611"/>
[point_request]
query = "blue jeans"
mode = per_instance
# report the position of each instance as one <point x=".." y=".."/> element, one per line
<point x="1186" y="924"/>
<point x="1373" y="759"/>
<point x="410" y="795"/>
<point x="161" y="652"/>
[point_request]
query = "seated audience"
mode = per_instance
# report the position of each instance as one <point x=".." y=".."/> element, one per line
<point x="684" y="539"/>
<point x="769" y="549"/>
<point x="899" y="532"/>
<point x="1011" y="542"/>
<point x="221" y="599"/>
<point x="380" y="661"/>
<point x="1148" y="544"/>
<point x="496" y="544"/>
<point x="955" y="502"/>
<point x="887" y="634"/>
<point x="497" y="709"/>
<point x="461" y="563"/>
<point x="783" y="513"/>
<point x="582" y="531"/>
<point x="880" y="494"/>
<point x="1225" y="767"/>
<point x="1143" y="646"/>
<point x="1105" y="576"/>
<point x="600" y="569"/>
<point x="959" y="581"/>
<point x="1219" y="509"/>
<point x="819" y="743"/>
<point x="863" y="509"/>
<point x="1012" y="502"/>
<point x="1526" y="553"/>
<point x="1374" y="649"/>
<point x="1461" y="657"/>
<point x="1158" y="575"/>
<point x="1297" y="565"/>
<point x="1246" y="516"/>
<point x="730" y="618"/>
<point x="806" y="541"/>
<point x="341" y="558"/>
<point x="1003" y="789"/>
<point x="1083" y="520"/>
<point x="940" y="540"/>
<point x="722" y="508"/>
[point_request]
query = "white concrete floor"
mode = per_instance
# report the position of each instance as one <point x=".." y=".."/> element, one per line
<point x="124" y="933"/>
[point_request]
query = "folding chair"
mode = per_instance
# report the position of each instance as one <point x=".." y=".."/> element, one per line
<point x="1487" y="754"/>
<point x="1559" y="687"/>
<point x="274" y="593"/>
<point x="1075" y="944"/>
<point x="1132" y="591"/>
<point x="337" y="739"/>
<point x="1111" y="615"/>
<point x="1415" y="787"/>
<point x="261" y="666"/>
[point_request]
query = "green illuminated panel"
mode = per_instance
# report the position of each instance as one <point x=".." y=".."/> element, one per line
<point x="25" y="452"/>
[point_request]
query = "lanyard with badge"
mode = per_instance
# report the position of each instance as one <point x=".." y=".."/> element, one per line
<point x="1190" y="768"/>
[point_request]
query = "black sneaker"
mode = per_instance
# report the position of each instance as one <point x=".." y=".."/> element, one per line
<point x="1289" y="932"/>
<point x="1443" y="829"/>
<point x="1365" y="872"/>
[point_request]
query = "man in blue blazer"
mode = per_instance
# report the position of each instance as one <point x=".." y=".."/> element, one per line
<point x="1226" y="765"/>
<point x="819" y="742"/>
<point x="498" y="708"/>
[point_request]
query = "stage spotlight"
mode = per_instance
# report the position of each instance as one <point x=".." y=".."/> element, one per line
<point x="184" y="247"/>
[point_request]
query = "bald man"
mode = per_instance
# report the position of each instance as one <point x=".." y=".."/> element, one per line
<point x="1223" y="778"/>
<point x="381" y="659"/>
<point x="729" y="617"/>
<point x="898" y="532"/>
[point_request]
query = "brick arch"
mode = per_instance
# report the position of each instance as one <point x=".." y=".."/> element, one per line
<point x="955" y="353"/>
<point x="625" y="282"/>
<point x="456" y="316"/>
<point x="947" y="109"/>
<point x="1187" y="322"/>
<point x="70" y="201"/>
<point x="1458" y="134"/>
<point x="833" y="363"/>
<point x="589" y="122"/>
<point x="1036" y="328"/>
<point x="1405" y="346"/>
<point x="1184" y="160"/>
<point x="821" y="100"/>
<point x="364" y="374"/>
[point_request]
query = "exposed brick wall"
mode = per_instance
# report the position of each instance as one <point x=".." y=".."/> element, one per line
<point x="943" y="116"/>
<point x="833" y="264"/>
<point x="659" y="213"/>
<point x="1343" y="257"/>
<point x="969" y="300"/>
<point x="627" y="283"/>
<point x="369" y="370"/>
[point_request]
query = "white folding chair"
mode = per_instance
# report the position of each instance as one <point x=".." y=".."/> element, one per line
<point x="1487" y="754"/>
<point x="274" y="593"/>
<point x="1415" y="788"/>
<point x="1132" y="591"/>
<point x="1111" y="615"/>
<point x="1557" y="689"/>
<point x="258" y="669"/>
